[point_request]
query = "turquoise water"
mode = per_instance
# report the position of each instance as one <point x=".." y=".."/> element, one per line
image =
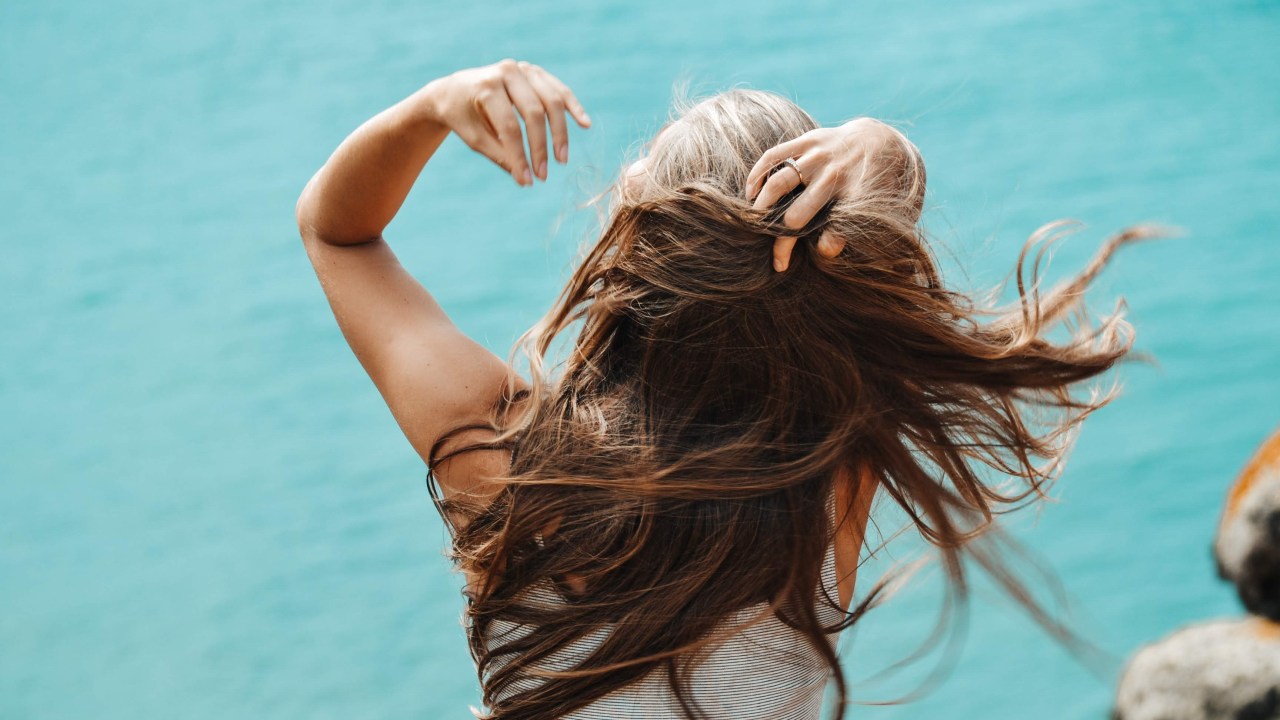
<point x="206" y="511"/>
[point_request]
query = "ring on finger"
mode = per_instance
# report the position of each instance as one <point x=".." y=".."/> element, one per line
<point x="791" y="163"/>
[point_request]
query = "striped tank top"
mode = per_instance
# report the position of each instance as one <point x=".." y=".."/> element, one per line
<point x="767" y="670"/>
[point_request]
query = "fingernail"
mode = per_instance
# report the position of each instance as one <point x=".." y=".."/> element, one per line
<point x="525" y="177"/>
<point x="562" y="153"/>
<point x="778" y="265"/>
<point x="542" y="170"/>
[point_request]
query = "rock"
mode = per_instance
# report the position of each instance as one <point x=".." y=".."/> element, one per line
<point x="1219" y="670"/>
<point x="1247" y="546"/>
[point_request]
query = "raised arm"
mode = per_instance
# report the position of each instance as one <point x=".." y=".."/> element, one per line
<point x="432" y="377"/>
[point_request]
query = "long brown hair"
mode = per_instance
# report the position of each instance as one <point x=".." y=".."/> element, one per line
<point x="678" y="465"/>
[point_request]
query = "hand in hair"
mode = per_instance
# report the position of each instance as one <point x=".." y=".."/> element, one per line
<point x="831" y="163"/>
<point x="481" y="104"/>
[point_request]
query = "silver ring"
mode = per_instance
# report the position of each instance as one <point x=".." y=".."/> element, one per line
<point x="791" y="163"/>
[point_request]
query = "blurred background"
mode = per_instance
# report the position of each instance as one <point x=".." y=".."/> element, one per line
<point x="205" y="508"/>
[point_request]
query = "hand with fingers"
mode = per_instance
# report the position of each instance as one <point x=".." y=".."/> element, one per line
<point x="484" y="107"/>
<point x="829" y="163"/>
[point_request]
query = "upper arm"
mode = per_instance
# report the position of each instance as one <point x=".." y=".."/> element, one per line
<point x="432" y="376"/>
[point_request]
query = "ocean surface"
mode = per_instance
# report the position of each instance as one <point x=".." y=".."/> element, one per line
<point x="207" y="512"/>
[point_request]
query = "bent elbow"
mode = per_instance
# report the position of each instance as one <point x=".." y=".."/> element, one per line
<point x="303" y="213"/>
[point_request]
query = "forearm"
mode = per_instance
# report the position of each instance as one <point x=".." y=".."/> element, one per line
<point x="361" y="187"/>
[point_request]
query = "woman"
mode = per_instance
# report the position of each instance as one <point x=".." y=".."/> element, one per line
<point x="670" y="524"/>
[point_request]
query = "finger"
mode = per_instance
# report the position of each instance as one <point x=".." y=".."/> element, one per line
<point x="555" y="108"/>
<point x="496" y="106"/>
<point x="770" y="160"/>
<point x="570" y="100"/>
<point x="759" y="172"/>
<point x="807" y="204"/>
<point x="782" y="252"/>
<point x="487" y="145"/>
<point x="530" y="107"/>
<point x="779" y="184"/>
<point x="830" y="244"/>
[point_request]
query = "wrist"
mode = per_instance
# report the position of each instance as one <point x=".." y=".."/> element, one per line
<point x="424" y="106"/>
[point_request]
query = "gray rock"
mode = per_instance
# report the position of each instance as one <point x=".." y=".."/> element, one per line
<point x="1219" y="670"/>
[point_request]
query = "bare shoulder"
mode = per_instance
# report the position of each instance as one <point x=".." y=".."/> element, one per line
<point x="854" y="493"/>
<point x="470" y="461"/>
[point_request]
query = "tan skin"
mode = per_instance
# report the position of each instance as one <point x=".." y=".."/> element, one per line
<point x="431" y="375"/>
